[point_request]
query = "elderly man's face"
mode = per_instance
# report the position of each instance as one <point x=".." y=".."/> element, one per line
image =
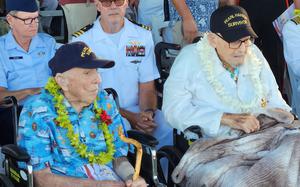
<point x="82" y="85"/>
<point x="233" y="53"/>
<point x="23" y="24"/>
<point x="112" y="11"/>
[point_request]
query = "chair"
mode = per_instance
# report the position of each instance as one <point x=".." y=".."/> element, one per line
<point x="13" y="154"/>
<point x="14" y="175"/>
<point x="60" y="35"/>
<point x="165" y="54"/>
<point x="152" y="176"/>
<point x="74" y="11"/>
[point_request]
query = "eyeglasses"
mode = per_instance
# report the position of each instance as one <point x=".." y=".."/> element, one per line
<point x="27" y="21"/>
<point x="108" y="3"/>
<point x="237" y="44"/>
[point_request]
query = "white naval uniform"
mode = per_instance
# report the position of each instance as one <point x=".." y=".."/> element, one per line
<point x="128" y="71"/>
<point x="291" y="43"/>
<point x="189" y="99"/>
<point x="291" y="46"/>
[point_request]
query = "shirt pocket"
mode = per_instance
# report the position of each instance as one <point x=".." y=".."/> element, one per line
<point x="131" y="68"/>
<point x="12" y="76"/>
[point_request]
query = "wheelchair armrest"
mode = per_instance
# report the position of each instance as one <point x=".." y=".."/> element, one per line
<point x="163" y="46"/>
<point x="195" y="130"/>
<point x="143" y="138"/>
<point x="15" y="152"/>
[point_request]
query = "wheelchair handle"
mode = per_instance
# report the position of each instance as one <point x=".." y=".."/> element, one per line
<point x="8" y="100"/>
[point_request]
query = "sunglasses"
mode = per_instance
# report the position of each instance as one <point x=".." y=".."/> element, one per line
<point x="108" y="3"/>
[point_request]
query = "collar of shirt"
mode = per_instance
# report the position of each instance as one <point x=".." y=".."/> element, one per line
<point x="11" y="43"/>
<point x="68" y="105"/>
<point x="220" y="70"/>
<point x="129" y="31"/>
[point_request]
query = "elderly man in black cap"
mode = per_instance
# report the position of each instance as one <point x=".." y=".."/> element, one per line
<point x="24" y="54"/>
<point x="219" y="83"/>
<point x="70" y="130"/>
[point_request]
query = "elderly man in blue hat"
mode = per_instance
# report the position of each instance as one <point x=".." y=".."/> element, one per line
<point x="24" y="53"/>
<point x="70" y="129"/>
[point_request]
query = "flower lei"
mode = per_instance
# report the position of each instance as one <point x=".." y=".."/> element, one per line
<point x="63" y="121"/>
<point x="206" y="53"/>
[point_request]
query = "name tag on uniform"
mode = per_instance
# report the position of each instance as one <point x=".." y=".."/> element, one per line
<point x="15" y="57"/>
<point x="41" y="53"/>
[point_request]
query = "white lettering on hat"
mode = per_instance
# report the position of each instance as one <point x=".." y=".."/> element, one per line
<point x="237" y="23"/>
<point x="229" y="18"/>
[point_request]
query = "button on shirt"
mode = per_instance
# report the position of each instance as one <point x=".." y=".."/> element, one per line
<point x="20" y="69"/>
<point x="201" y="11"/>
<point x="48" y="145"/>
<point x="134" y="59"/>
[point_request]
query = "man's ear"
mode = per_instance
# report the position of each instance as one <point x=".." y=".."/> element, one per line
<point x="9" y="19"/>
<point x="62" y="81"/>
<point x="212" y="39"/>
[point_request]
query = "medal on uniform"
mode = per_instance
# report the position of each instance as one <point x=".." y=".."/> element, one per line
<point x="135" y="48"/>
<point x="263" y="103"/>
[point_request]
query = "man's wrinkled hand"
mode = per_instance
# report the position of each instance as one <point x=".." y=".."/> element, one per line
<point x="245" y="122"/>
<point x="140" y="182"/>
<point x="144" y="122"/>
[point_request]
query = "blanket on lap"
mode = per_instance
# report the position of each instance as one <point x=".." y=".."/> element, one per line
<point x="269" y="157"/>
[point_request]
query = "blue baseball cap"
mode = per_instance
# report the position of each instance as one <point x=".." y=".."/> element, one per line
<point x="76" y="55"/>
<point x="21" y="5"/>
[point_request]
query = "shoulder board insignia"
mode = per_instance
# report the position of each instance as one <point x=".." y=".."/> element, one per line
<point x="82" y="30"/>
<point x="296" y="20"/>
<point x="141" y="25"/>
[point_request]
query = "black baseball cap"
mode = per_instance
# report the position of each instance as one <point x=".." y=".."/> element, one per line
<point x="21" y="5"/>
<point x="232" y="22"/>
<point x="76" y="55"/>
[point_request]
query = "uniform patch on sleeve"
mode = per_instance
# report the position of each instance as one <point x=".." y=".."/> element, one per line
<point x="141" y="25"/>
<point x="296" y="20"/>
<point x="82" y="30"/>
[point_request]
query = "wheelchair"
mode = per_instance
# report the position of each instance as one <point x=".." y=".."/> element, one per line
<point x="165" y="54"/>
<point x="16" y="177"/>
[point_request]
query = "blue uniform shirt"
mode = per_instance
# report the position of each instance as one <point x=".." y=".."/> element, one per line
<point x="48" y="145"/>
<point x="201" y="11"/>
<point x="20" y="69"/>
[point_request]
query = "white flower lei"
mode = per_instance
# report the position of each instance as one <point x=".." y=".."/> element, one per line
<point x="206" y="52"/>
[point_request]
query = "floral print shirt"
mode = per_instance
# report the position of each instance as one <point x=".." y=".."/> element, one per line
<point x="201" y="11"/>
<point x="48" y="145"/>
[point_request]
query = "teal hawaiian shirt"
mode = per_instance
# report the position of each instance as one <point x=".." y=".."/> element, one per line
<point x="48" y="145"/>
